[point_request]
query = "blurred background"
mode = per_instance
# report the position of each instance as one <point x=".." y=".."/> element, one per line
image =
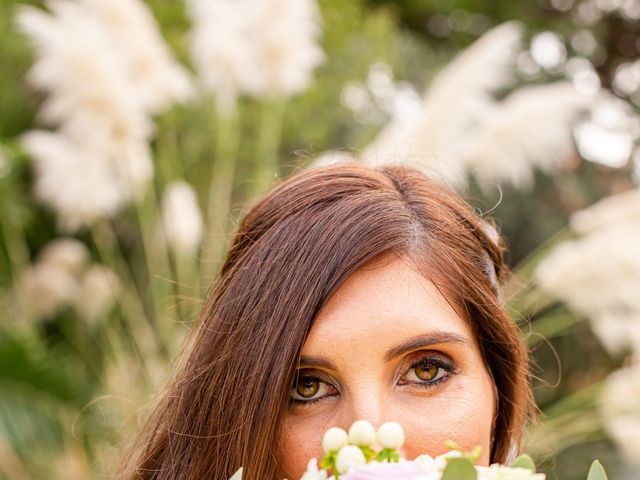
<point x="134" y="135"/>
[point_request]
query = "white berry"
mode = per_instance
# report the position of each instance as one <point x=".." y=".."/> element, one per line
<point x="361" y="433"/>
<point x="390" y="435"/>
<point x="334" y="439"/>
<point x="348" y="456"/>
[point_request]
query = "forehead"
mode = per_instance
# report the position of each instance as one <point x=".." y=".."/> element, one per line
<point x="382" y="304"/>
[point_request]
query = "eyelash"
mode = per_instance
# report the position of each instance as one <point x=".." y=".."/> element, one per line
<point x="320" y="379"/>
<point x="441" y="363"/>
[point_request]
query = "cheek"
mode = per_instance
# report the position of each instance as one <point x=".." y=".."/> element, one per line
<point x="300" y="441"/>
<point x="462" y="415"/>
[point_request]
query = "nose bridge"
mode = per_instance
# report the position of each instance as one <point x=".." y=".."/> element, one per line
<point x="368" y="401"/>
<point x="371" y="400"/>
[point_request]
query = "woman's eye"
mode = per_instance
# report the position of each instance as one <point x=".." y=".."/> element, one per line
<point x="427" y="372"/>
<point x="309" y="389"/>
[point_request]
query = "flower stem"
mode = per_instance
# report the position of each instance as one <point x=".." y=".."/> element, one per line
<point x="157" y="263"/>
<point x="183" y="271"/>
<point x="130" y="300"/>
<point x="269" y="139"/>
<point x="526" y="267"/>
<point x="220" y="192"/>
<point x="12" y="231"/>
<point x="552" y="325"/>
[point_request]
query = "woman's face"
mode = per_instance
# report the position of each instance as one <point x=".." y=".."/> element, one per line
<point x="388" y="347"/>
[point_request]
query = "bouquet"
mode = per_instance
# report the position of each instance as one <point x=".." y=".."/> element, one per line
<point x="366" y="454"/>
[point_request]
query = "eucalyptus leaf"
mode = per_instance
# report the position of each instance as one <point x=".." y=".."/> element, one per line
<point x="459" y="469"/>
<point x="524" y="461"/>
<point x="596" y="472"/>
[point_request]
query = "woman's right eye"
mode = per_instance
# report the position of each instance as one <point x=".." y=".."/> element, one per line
<point x="309" y="389"/>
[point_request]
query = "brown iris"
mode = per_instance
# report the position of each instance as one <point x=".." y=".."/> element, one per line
<point x="307" y="387"/>
<point x="426" y="371"/>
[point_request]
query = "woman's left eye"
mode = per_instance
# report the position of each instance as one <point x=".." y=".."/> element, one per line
<point x="428" y="372"/>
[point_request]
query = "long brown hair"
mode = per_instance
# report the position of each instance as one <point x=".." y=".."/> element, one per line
<point x="291" y="252"/>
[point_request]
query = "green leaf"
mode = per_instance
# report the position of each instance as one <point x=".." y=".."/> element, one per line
<point x="596" y="472"/>
<point x="369" y="453"/>
<point x="394" y="456"/>
<point x="387" y="455"/>
<point x="474" y="455"/>
<point x="328" y="461"/>
<point x="524" y="461"/>
<point x="451" y="445"/>
<point x="383" y="455"/>
<point x="460" y="469"/>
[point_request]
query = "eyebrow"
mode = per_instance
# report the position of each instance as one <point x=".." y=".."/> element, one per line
<point x="414" y="343"/>
<point x="421" y="341"/>
<point x="320" y="362"/>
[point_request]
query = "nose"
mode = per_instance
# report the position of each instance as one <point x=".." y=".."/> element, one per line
<point x="367" y="404"/>
<point x="374" y="407"/>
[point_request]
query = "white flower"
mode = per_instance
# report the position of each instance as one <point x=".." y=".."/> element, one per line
<point x="79" y="184"/>
<point x="100" y="158"/>
<point x="51" y="283"/>
<point x="531" y="128"/>
<point x="288" y="53"/>
<point x="607" y="136"/>
<point x="181" y="217"/>
<point x="597" y="276"/>
<point x="390" y="435"/>
<point x="256" y="47"/>
<point x="76" y="64"/>
<point x="610" y="211"/>
<point x="455" y="107"/>
<point x="438" y="463"/>
<point x="500" y="472"/>
<point x="441" y="460"/>
<point x="348" y="456"/>
<point x="43" y="290"/>
<point x="426" y="461"/>
<point x="462" y="128"/>
<point x="548" y="51"/>
<point x="99" y="289"/>
<point x="621" y="410"/>
<point x="105" y="69"/>
<point x="62" y="276"/>
<point x="312" y="472"/>
<point x="110" y="51"/>
<point x="157" y="77"/>
<point x="237" y="475"/>
<point x="618" y="329"/>
<point x="361" y="433"/>
<point x="64" y="254"/>
<point x="334" y="439"/>
<point x="625" y="431"/>
<point x="220" y="48"/>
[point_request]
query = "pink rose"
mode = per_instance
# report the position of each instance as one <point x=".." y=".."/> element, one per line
<point x="389" y="471"/>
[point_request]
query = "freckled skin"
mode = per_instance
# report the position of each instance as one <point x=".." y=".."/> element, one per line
<point x="376" y="309"/>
